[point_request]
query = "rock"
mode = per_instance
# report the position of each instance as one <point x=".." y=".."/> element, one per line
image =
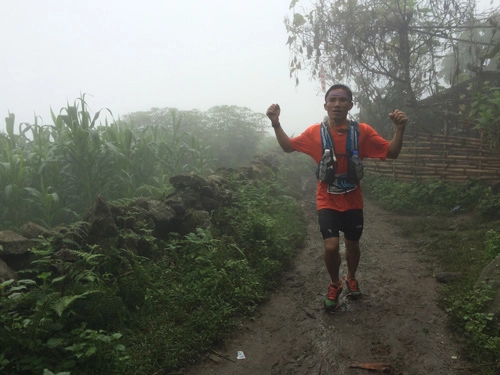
<point x="225" y="172"/>
<point x="101" y="222"/>
<point x="165" y="218"/>
<point x="195" y="219"/>
<point x="161" y="213"/>
<point x="135" y="216"/>
<point x="13" y="243"/>
<point x="130" y="242"/>
<point x="189" y="207"/>
<point x="191" y="181"/>
<point x="261" y="167"/>
<point x="446" y="277"/>
<point x="175" y="202"/>
<point x="31" y="230"/>
<point x="6" y="273"/>
<point x="189" y="197"/>
<point x="210" y="204"/>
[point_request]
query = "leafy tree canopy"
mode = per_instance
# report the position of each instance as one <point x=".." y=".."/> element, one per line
<point x="389" y="51"/>
<point x="475" y="49"/>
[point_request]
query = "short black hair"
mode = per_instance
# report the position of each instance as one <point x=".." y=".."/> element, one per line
<point x="339" y="86"/>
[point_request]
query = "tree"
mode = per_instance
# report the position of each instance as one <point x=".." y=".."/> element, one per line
<point x="228" y="135"/>
<point x="476" y="49"/>
<point x="234" y="134"/>
<point x="389" y="51"/>
<point x="486" y="112"/>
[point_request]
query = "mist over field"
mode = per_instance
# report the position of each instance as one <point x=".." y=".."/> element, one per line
<point x="132" y="56"/>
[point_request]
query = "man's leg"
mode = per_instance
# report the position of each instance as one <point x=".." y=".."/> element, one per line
<point x="332" y="258"/>
<point x="332" y="262"/>
<point x="329" y="223"/>
<point x="352" y="255"/>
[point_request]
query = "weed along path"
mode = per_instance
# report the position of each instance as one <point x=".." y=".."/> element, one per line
<point x="396" y="327"/>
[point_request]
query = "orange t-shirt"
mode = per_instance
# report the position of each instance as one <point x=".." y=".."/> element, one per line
<point x="370" y="145"/>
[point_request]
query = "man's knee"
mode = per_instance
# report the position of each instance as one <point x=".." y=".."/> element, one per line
<point x="332" y="245"/>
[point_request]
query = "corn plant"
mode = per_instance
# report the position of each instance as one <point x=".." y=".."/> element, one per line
<point x="14" y="176"/>
<point x="88" y="163"/>
<point x="201" y="162"/>
<point x="135" y="156"/>
<point x="149" y="154"/>
<point x="51" y="174"/>
<point x="45" y="207"/>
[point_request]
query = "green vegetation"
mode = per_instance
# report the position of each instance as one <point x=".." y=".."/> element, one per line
<point x="204" y="283"/>
<point x="486" y="110"/>
<point x="81" y="309"/>
<point x="107" y="311"/>
<point x="431" y="197"/>
<point x="457" y="226"/>
<point x="104" y="310"/>
<point x="51" y="174"/>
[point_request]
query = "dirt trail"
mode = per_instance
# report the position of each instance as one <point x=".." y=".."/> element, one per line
<point x="397" y="321"/>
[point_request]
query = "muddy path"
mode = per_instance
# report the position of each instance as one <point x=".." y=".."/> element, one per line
<point x="397" y="321"/>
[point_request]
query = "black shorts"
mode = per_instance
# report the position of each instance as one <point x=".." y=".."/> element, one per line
<point x="332" y="222"/>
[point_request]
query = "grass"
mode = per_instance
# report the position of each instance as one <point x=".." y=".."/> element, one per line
<point x="462" y="240"/>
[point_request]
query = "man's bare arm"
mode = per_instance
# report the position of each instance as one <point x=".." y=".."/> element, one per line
<point x="273" y="112"/>
<point x="400" y="119"/>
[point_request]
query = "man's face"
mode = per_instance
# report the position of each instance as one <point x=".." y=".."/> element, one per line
<point x="338" y="104"/>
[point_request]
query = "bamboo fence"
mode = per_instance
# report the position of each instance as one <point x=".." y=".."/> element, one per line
<point x="448" y="158"/>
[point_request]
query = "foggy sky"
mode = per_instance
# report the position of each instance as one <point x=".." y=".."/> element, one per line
<point x="135" y="55"/>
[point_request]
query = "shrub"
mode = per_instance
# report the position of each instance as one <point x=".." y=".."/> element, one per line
<point x="431" y="196"/>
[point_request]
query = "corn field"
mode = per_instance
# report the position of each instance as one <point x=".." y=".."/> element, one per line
<point x="51" y="174"/>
